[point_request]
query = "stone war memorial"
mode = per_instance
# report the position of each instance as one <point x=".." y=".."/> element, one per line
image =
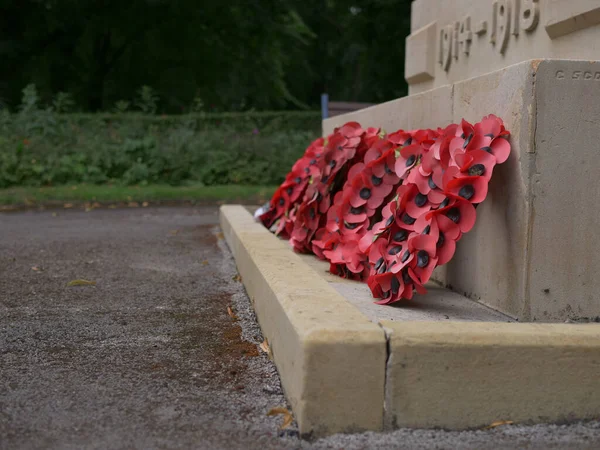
<point x="508" y="328"/>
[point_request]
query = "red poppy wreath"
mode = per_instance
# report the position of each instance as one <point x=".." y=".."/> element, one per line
<point x="387" y="208"/>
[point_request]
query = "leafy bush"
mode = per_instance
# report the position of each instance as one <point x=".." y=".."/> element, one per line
<point x="40" y="146"/>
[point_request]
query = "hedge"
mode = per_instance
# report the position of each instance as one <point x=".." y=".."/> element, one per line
<point x="39" y="147"/>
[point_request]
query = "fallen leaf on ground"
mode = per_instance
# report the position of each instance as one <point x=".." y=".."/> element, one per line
<point x="54" y="214"/>
<point x="133" y="204"/>
<point x="205" y="263"/>
<point x="81" y="283"/>
<point x="173" y="232"/>
<point x="287" y="416"/>
<point x="145" y="204"/>
<point x="237" y="278"/>
<point x="220" y="235"/>
<point x="231" y="313"/>
<point x="68" y="205"/>
<point x="265" y="347"/>
<point x="498" y="423"/>
<point x="36" y="269"/>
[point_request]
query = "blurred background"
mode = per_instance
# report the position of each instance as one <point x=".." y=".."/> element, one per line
<point x="182" y="93"/>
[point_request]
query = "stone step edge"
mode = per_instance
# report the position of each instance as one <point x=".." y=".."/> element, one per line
<point x="330" y="357"/>
<point x="342" y="373"/>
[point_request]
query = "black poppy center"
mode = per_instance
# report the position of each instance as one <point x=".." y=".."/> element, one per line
<point x="379" y="263"/>
<point x="351" y="226"/>
<point x="427" y="229"/>
<point x="312" y="213"/>
<point x="420" y="199"/>
<point x="422" y="258"/>
<point x="382" y="268"/>
<point x="313" y="162"/>
<point x="487" y="149"/>
<point x="406" y="277"/>
<point x="411" y="160"/>
<point x="408" y="141"/>
<point x="405" y="256"/>
<point x="297" y="180"/>
<point x="476" y="170"/>
<point x="332" y="163"/>
<point x="358" y="210"/>
<point x="441" y="240"/>
<point x="289" y="191"/>
<point x="431" y="184"/>
<point x="453" y="214"/>
<point x="467" y="191"/>
<point x="281" y="201"/>
<point x="306" y="170"/>
<point x="395" y="285"/>
<point x="389" y="221"/>
<point x="468" y="140"/>
<point x="376" y="180"/>
<point x="445" y="203"/>
<point x="394" y="250"/>
<point x="387" y="169"/>
<point x="325" y="179"/>
<point x="365" y="193"/>
<point x="400" y="236"/>
<point x="407" y="219"/>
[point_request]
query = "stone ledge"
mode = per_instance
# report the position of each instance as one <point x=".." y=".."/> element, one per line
<point x="335" y="363"/>
<point x="465" y="375"/>
<point x="330" y="357"/>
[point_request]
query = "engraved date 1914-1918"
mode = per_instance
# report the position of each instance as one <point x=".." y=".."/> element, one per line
<point x="509" y="17"/>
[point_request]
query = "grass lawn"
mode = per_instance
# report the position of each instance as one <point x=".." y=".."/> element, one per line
<point x="69" y="196"/>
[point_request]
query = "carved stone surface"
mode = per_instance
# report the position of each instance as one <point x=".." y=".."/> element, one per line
<point x="473" y="37"/>
<point x="564" y="17"/>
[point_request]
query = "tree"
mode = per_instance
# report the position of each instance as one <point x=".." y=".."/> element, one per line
<point x="239" y="54"/>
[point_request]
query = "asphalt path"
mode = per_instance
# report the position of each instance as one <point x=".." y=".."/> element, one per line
<point x="163" y="350"/>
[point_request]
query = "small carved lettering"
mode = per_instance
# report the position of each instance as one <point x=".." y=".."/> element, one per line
<point x="578" y="75"/>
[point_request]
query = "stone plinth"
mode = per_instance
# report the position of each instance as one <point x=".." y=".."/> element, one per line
<point x="451" y="41"/>
<point x="535" y="250"/>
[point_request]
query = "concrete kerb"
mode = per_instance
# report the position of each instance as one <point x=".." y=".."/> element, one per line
<point x="467" y="375"/>
<point x="330" y="357"/>
<point x="342" y="373"/>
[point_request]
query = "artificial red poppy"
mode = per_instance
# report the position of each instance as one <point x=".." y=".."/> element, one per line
<point x="343" y="202"/>
<point x="474" y="189"/>
<point x="413" y="201"/>
<point x="407" y="159"/>
<point x="500" y="148"/>
<point x="474" y="163"/>
<point x="490" y="126"/>
<point x="459" y="211"/>
<point x="424" y="249"/>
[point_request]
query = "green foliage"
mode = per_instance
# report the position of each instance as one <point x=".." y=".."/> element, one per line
<point x="40" y="147"/>
<point x="147" y="100"/>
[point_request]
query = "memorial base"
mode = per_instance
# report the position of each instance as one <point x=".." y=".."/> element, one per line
<point x="534" y="251"/>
